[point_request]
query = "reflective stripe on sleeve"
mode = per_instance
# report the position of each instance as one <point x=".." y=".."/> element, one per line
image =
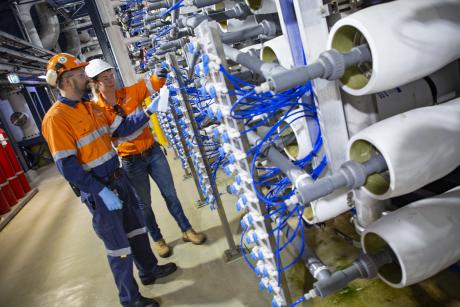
<point x="119" y="252"/>
<point x="130" y="137"/>
<point x="99" y="161"/>
<point x="136" y="232"/>
<point x="116" y="123"/>
<point x="61" y="154"/>
<point x="149" y="85"/>
<point x="92" y="136"/>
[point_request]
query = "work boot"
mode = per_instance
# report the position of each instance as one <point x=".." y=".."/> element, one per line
<point x="162" y="248"/>
<point x="195" y="237"/>
<point x="160" y="271"/>
<point x="144" y="302"/>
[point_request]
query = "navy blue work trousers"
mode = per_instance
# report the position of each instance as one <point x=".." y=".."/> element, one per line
<point x="125" y="238"/>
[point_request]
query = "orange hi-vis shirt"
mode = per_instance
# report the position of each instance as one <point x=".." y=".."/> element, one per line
<point x="84" y="131"/>
<point x="130" y="100"/>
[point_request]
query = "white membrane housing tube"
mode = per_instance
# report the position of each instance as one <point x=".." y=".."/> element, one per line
<point x="408" y="40"/>
<point x="419" y="147"/>
<point x="277" y="50"/>
<point x="424" y="237"/>
<point x="261" y="6"/>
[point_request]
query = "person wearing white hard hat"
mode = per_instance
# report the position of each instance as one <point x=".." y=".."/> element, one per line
<point x="140" y="154"/>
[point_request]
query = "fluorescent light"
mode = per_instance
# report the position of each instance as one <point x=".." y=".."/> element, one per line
<point x="13" y="78"/>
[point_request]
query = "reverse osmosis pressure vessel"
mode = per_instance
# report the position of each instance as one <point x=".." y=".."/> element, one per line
<point x="408" y="40"/>
<point x="424" y="237"/>
<point x="419" y="147"/>
<point x="277" y="50"/>
<point x="262" y="6"/>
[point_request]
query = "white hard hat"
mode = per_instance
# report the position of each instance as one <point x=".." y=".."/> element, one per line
<point x="96" y="66"/>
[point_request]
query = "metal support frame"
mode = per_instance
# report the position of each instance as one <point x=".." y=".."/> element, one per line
<point x="234" y="250"/>
<point x="187" y="155"/>
<point x="210" y="34"/>
<point x="314" y="33"/>
<point x="24" y="49"/>
<point x="32" y="104"/>
<point x="20" y="25"/>
<point x="98" y="26"/>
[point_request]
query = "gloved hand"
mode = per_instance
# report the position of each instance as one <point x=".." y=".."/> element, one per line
<point x="110" y="199"/>
<point x="160" y="103"/>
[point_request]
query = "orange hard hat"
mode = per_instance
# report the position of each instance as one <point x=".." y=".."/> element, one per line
<point x="59" y="64"/>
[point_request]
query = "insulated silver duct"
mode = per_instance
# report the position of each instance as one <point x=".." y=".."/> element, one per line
<point x="72" y="39"/>
<point x="84" y="36"/>
<point x="49" y="26"/>
<point x="29" y="26"/>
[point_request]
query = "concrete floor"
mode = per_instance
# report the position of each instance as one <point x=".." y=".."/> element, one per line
<point x="50" y="256"/>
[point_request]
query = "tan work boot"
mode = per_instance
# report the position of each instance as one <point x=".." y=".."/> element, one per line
<point x="195" y="237"/>
<point x="162" y="248"/>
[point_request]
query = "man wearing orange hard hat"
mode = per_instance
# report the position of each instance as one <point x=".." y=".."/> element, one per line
<point x="78" y="133"/>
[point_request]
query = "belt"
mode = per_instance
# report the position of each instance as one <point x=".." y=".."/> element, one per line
<point x="141" y="155"/>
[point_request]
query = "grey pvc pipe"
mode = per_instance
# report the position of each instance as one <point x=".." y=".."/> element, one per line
<point x="284" y="164"/>
<point x="152" y="17"/>
<point x="364" y="266"/>
<point x="194" y="21"/>
<point x="368" y="209"/>
<point x="244" y="59"/>
<point x="160" y="4"/>
<point x="247" y="75"/>
<point x="203" y="3"/>
<point x="239" y="11"/>
<point x="331" y="65"/>
<point x="183" y="32"/>
<point x="351" y="175"/>
<point x="253" y="63"/>
<point x="263" y="28"/>
<point x="173" y="44"/>
<point x="156" y="24"/>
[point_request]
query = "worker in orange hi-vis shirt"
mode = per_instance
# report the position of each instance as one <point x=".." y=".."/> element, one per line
<point x="141" y="156"/>
<point x="79" y="135"/>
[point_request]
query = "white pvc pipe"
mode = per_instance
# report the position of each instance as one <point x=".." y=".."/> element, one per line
<point x="424" y="236"/>
<point x="419" y="146"/>
<point x="408" y="40"/>
<point x="277" y="49"/>
<point x="327" y="207"/>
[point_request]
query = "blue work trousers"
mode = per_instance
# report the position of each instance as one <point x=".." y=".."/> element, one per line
<point x="154" y="163"/>
<point x="125" y="238"/>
